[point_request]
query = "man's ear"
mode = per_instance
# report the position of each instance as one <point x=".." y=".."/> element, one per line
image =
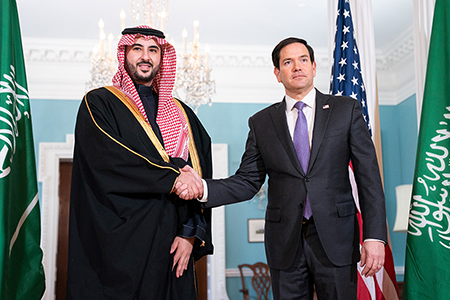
<point x="276" y="71"/>
<point x="314" y="68"/>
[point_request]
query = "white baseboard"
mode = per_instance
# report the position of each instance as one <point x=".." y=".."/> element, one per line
<point x="399" y="270"/>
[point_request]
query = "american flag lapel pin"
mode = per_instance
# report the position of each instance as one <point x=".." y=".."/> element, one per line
<point x="326" y="106"/>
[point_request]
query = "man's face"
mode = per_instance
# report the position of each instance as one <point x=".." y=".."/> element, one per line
<point x="296" y="70"/>
<point x="142" y="60"/>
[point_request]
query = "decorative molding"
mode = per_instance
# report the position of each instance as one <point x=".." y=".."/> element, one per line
<point x="394" y="95"/>
<point x="395" y="70"/>
<point x="400" y="270"/>
<point x="231" y="56"/>
<point x="81" y="51"/>
<point x="50" y="156"/>
<point x="217" y="288"/>
<point x="397" y="52"/>
<point x="234" y="272"/>
<point x="243" y="74"/>
<point x="58" y="50"/>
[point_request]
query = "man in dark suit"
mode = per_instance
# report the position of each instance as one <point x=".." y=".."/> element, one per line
<point x="311" y="232"/>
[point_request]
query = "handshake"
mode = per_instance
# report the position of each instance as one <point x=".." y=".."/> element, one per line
<point x="188" y="185"/>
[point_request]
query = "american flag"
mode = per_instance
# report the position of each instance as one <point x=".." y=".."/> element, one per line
<point x="346" y="80"/>
<point x="346" y="77"/>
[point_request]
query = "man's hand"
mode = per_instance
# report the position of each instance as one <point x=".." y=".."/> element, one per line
<point x="183" y="249"/>
<point x="189" y="184"/>
<point x="372" y="257"/>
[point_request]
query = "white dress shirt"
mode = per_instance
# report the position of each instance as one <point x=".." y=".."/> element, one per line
<point x="308" y="110"/>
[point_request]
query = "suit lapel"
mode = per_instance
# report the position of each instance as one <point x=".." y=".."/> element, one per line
<point x="278" y="116"/>
<point x="323" y="111"/>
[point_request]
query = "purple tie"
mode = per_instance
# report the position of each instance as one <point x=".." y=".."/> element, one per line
<point x="301" y="145"/>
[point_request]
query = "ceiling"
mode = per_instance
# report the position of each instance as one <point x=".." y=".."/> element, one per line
<point x="236" y="22"/>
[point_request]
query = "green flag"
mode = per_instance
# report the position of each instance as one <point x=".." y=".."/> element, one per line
<point x="427" y="267"/>
<point x="21" y="271"/>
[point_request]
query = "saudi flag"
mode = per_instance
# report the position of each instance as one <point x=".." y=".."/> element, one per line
<point x="21" y="271"/>
<point x="427" y="268"/>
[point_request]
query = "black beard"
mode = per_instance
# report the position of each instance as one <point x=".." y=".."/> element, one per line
<point x="139" y="78"/>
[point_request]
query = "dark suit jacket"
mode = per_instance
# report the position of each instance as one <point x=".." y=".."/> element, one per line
<point x="340" y="135"/>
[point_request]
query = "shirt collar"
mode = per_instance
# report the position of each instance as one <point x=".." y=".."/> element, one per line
<point x="309" y="100"/>
<point x="144" y="90"/>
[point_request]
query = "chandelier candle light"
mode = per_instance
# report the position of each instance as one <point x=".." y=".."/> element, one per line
<point x="193" y="74"/>
<point x="153" y="12"/>
<point x="193" y="78"/>
<point x="103" y="66"/>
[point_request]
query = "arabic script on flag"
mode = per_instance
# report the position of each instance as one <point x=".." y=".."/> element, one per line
<point x="10" y="114"/>
<point x="430" y="217"/>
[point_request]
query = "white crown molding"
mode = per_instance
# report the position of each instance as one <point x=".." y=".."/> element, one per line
<point x="58" y="50"/>
<point x="397" y="51"/>
<point x="395" y="70"/>
<point x="59" y="69"/>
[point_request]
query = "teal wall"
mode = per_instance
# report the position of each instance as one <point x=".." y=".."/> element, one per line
<point x="227" y="123"/>
<point x="399" y="142"/>
<point x="52" y="120"/>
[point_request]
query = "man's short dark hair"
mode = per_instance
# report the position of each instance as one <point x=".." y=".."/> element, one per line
<point x="276" y="51"/>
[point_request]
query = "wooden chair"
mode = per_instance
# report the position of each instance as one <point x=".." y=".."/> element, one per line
<point x="260" y="280"/>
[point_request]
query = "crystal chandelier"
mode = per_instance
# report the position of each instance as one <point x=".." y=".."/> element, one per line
<point x="155" y="13"/>
<point x="104" y="65"/>
<point x="193" y="74"/>
<point x="193" y="80"/>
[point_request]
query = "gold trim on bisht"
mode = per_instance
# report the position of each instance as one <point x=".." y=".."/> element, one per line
<point x="145" y="125"/>
<point x="192" y="148"/>
<point x="119" y="143"/>
<point x="151" y="134"/>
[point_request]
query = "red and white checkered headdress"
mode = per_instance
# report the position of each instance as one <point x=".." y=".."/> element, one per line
<point x="169" y="117"/>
